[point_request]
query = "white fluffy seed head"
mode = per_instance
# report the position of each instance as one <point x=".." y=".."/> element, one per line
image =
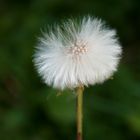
<point x="77" y="53"/>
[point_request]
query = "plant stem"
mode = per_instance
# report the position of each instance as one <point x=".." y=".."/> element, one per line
<point x="79" y="111"/>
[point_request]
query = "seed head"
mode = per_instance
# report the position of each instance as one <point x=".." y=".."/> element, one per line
<point x="75" y="53"/>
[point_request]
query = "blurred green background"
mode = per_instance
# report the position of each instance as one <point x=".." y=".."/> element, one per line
<point x="30" y="110"/>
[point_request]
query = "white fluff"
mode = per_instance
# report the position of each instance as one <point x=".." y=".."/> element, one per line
<point x="77" y="53"/>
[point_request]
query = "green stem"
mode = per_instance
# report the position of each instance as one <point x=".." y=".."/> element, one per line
<point x="79" y="112"/>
